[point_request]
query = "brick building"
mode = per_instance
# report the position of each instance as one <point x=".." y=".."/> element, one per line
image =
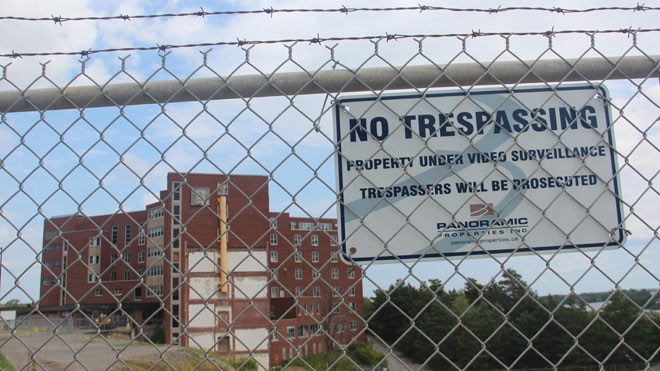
<point x="316" y="298"/>
<point x="286" y="291"/>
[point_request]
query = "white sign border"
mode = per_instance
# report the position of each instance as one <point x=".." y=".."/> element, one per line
<point x="612" y="243"/>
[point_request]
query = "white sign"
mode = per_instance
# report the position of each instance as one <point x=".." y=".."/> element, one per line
<point x="489" y="172"/>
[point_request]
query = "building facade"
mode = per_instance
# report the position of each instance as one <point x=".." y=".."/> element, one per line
<point x="209" y="265"/>
<point x="316" y="298"/>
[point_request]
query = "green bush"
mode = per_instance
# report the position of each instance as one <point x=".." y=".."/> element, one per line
<point x="357" y="353"/>
<point x="365" y="354"/>
<point x="5" y="365"/>
<point x="243" y="364"/>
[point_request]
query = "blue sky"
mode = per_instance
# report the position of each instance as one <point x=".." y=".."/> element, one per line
<point x="270" y="127"/>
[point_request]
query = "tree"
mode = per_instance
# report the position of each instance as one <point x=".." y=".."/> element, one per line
<point x="453" y="327"/>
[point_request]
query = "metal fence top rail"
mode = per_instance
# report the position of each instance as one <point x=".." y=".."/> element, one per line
<point x="331" y="82"/>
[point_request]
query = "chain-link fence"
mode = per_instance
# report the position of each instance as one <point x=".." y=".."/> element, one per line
<point x="318" y="203"/>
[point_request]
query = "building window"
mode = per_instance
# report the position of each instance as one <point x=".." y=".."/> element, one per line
<point x="98" y="291"/>
<point x="297" y="239"/>
<point x="274" y="335"/>
<point x="155" y="232"/>
<point x="273" y="239"/>
<point x="315" y="240"/>
<point x="154" y="251"/>
<point x="291" y="332"/>
<point x="298" y="291"/>
<point x="118" y="291"/>
<point x="175" y="316"/>
<point x="325" y="226"/>
<point x="140" y="257"/>
<point x="65" y="246"/>
<point x="333" y="240"/>
<point x="156" y="290"/>
<point x="351" y="273"/>
<point x="315" y="256"/>
<point x="140" y="272"/>
<point x="128" y="234"/>
<point x="334" y="258"/>
<point x="156" y="213"/>
<point x="273" y="273"/>
<point x="339" y="327"/>
<point x="351" y="291"/>
<point x="298" y="274"/>
<point x="273" y="257"/>
<point x="275" y="292"/>
<point x="113" y="237"/>
<point x="156" y="270"/>
<point x="176" y="191"/>
<point x="335" y="290"/>
<point x="353" y="325"/>
<point x="176" y="214"/>
<point x="297" y="256"/>
<point x="306" y="226"/>
<point x="113" y="258"/>
<point x="175" y="289"/>
<point x="127" y="275"/>
<point x="199" y="197"/>
<point x="141" y="238"/>
<point x="93" y="260"/>
<point x="273" y="222"/>
<point x="223" y="319"/>
<point x="113" y="276"/>
<point x="316" y="291"/>
<point x="127" y="257"/>
<point x="138" y="293"/>
<point x="292" y="225"/>
<point x="351" y="305"/>
<point x="335" y="273"/>
<point x="94" y="242"/>
<point x="316" y="273"/>
<point x="55" y="246"/>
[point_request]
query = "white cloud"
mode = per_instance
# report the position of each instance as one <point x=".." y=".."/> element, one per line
<point x="18" y="256"/>
<point x="635" y="116"/>
<point x="45" y="37"/>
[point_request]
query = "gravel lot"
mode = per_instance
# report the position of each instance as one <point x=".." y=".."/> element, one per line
<point x="75" y="351"/>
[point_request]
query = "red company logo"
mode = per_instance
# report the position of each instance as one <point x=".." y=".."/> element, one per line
<point x="479" y="210"/>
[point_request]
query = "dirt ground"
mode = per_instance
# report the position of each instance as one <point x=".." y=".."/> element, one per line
<point x="75" y="351"/>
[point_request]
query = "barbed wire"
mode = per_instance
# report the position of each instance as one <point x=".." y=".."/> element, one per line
<point x="320" y="40"/>
<point x="345" y="10"/>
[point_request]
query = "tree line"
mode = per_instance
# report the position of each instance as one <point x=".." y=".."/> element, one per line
<point x="507" y="325"/>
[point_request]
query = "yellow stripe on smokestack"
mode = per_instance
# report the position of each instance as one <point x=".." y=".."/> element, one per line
<point x="222" y="211"/>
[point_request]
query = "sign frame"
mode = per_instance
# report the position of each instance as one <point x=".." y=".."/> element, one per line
<point x="617" y="237"/>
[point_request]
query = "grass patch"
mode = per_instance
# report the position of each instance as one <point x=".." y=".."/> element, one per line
<point x="357" y="354"/>
<point x="5" y="365"/>
<point x="188" y="359"/>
